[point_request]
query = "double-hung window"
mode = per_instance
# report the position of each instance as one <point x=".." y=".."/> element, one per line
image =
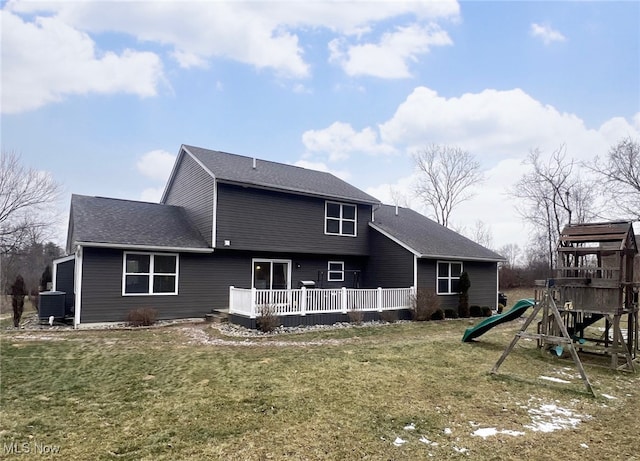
<point x="150" y="274"/>
<point x="448" y="277"/>
<point x="335" y="271"/>
<point x="340" y="219"/>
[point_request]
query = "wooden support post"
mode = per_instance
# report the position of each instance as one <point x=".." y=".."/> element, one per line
<point x="547" y="304"/>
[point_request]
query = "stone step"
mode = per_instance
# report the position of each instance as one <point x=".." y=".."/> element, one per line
<point x="217" y="316"/>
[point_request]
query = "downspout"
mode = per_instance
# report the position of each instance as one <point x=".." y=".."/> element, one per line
<point x="497" y="285"/>
<point x="78" y="287"/>
<point x="415" y="272"/>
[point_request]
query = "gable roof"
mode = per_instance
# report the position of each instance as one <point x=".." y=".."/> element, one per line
<point x="110" y="222"/>
<point x="239" y="169"/>
<point x="426" y="238"/>
<point x="618" y="233"/>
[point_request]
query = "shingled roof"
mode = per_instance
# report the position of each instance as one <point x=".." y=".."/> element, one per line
<point x="126" y="223"/>
<point x="426" y="238"/>
<point x="239" y="169"/>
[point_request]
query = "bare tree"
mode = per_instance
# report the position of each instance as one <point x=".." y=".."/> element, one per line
<point x="621" y="174"/>
<point x="511" y="252"/>
<point x="552" y="195"/>
<point x="25" y="195"/>
<point x="446" y="175"/>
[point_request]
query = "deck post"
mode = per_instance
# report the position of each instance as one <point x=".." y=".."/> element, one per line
<point x="344" y="300"/>
<point x="231" y="303"/>
<point x="303" y="301"/>
<point x="379" y="299"/>
<point x="252" y="310"/>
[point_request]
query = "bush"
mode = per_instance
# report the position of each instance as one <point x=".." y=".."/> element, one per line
<point x="268" y="320"/>
<point x="475" y="311"/>
<point x="500" y="308"/>
<point x="389" y="316"/>
<point x="450" y="313"/>
<point x="487" y="311"/>
<point x="463" y="296"/>
<point x="438" y="315"/>
<point x="142" y="317"/>
<point x="356" y="316"/>
<point x="423" y="304"/>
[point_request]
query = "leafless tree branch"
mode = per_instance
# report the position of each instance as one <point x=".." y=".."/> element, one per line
<point x="446" y="175"/>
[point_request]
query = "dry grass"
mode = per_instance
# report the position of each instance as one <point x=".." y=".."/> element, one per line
<point x="158" y="395"/>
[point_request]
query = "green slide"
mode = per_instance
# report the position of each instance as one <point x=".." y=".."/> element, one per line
<point x="516" y="311"/>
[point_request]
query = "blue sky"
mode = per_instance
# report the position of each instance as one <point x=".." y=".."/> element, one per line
<point x="102" y="94"/>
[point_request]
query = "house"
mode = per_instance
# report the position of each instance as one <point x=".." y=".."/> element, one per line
<point x="227" y="220"/>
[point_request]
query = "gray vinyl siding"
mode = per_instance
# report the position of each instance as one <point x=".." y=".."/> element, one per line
<point x="484" y="288"/>
<point x="258" y="219"/>
<point x="192" y="188"/>
<point x="65" y="279"/>
<point x="203" y="284"/>
<point x="390" y="265"/>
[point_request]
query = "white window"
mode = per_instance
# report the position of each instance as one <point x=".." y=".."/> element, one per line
<point x="448" y="277"/>
<point x="271" y="274"/>
<point x="149" y="274"/>
<point x="340" y="219"/>
<point x="335" y="271"/>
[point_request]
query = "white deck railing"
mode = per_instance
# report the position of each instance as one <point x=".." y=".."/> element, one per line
<point x="247" y="302"/>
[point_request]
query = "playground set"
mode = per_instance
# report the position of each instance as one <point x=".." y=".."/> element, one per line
<point x="594" y="282"/>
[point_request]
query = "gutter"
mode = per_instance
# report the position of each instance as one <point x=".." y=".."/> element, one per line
<point x="127" y="246"/>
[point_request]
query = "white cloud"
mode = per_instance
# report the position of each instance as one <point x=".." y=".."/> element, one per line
<point x="495" y="124"/>
<point x="156" y="164"/>
<point x="499" y="127"/>
<point x="339" y="141"/>
<point x="320" y="166"/>
<point x="546" y="33"/>
<point x="391" y="56"/>
<point x="260" y="34"/>
<point x="45" y="60"/>
<point x="152" y="194"/>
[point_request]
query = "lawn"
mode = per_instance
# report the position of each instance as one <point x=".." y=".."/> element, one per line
<point x="403" y="391"/>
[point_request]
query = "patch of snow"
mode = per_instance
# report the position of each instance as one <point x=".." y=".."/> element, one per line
<point x="584" y="445"/>
<point x="460" y="449"/>
<point x="410" y="427"/>
<point x="426" y="441"/>
<point x="555" y="380"/>
<point x="447" y="431"/>
<point x="550" y="417"/>
<point x="398" y="442"/>
<point x="489" y="431"/>
<point x="610" y="397"/>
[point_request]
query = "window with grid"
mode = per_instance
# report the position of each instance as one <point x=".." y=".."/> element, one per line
<point x="448" y="277"/>
<point x="335" y="271"/>
<point x="340" y="219"/>
<point x="150" y="274"/>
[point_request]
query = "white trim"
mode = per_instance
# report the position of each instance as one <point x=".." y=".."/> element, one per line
<point x="340" y="219"/>
<point x="55" y="263"/>
<point x="329" y="271"/>
<point x="271" y="261"/>
<point x="449" y="277"/>
<point x="151" y="274"/>
<point x="391" y="237"/>
<point x="497" y="285"/>
<point x="431" y="256"/>
<point x="77" y="286"/>
<point x="415" y="271"/>
<point x="214" y="224"/>
<point x="150" y="248"/>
